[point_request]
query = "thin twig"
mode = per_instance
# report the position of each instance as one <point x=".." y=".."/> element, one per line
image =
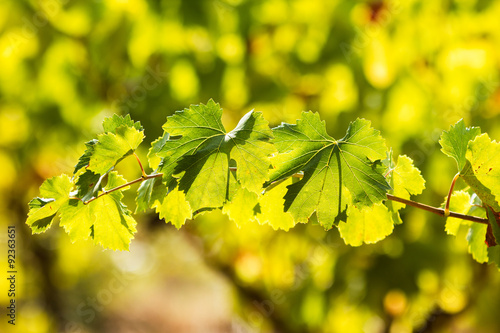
<point x="138" y="180"/>
<point x="435" y="210"/>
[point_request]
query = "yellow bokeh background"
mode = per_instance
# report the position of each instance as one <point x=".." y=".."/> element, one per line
<point x="411" y="67"/>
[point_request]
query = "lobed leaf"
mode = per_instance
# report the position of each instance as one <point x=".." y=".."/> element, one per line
<point x="84" y="160"/>
<point x="111" y="124"/>
<point x="460" y="202"/>
<point x="241" y="209"/>
<point x="454" y="142"/>
<point x="366" y="224"/>
<point x="197" y="152"/>
<point x="106" y="219"/>
<point x="271" y="208"/>
<point x="113" y="147"/>
<point x="494" y="251"/>
<point x="482" y="170"/>
<point x="405" y="180"/>
<point x="54" y="193"/>
<point x="174" y="208"/>
<point x="331" y="168"/>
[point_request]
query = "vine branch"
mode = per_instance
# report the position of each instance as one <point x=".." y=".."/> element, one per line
<point x="138" y="180"/>
<point x="435" y="210"/>
<point x="439" y="211"/>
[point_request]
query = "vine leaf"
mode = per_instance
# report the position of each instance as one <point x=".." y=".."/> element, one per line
<point x="241" y="207"/>
<point x="107" y="220"/>
<point x="84" y="160"/>
<point x="482" y="170"/>
<point x="330" y="168"/>
<point x="368" y="224"/>
<point x="121" y="138"/>
<point x="454" y="142"/>
<point x="54" y="193"/>
<point x="405" y="180"/>
<point x="174" y="208"/>
<point x="198" y="152"/>
<point x="494" y="251"/>
<point x="460" y="202"/>
<point x="477" y="247"/>
<point x="111" y="124"/>
<point x="148" y="193"/>
<point x="156" y="146"/>
<point x="271" y="208"/>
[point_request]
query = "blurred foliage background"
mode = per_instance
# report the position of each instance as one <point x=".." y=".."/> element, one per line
<point x="412" y="67"/>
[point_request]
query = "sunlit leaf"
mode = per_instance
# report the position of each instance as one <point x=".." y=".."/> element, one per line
<point x="107" y="216"/>
<point x="330" y="167"/>
<point x="454" y="142"/>
<point x="405" y="180"/>
<point x="54" y="192"/>
<point x="150" y="190"/>
<point x="241" y="207"/>
<point x="83" y="161"/>
<point x="477" y="247"/>
<point x="366" y="225"/>
<point x="174" y="208"/>
<point x="460" y="202"/>
<point x="199" y="151"/>
<point x="271" y="208"/>
<point x="112" y="147"/>
<point x="482" y="170"/>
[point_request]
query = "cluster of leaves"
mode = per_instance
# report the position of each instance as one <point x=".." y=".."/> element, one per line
<point x="290" y="174"/>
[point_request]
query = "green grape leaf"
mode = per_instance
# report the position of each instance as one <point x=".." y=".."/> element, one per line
<point x="113" y="147"/>
<point x="271" y="207"/>
<point x="156" y="146"/>
<point x="150" y="190"/>
<point x="241" y="208"/>
<point x="454" y="142"/>
<point x="198" y="152"/>
<point x="106" y="219"/>
<point x="477" y="247"/>
<point x="494" y="255"/>
<point x="460" y="202"/>
<point x="174" y="208"/>
<point x="87" y="184"/>
<point x="494" y="251"/>
<point x="405" y="180"/>
<point x="83" y="161"/>
<point x="111" y="124"/>
<point x="482" y="170"/>
<point x="330" y="167"/>
<point x="368" y="224"/>
<point x="54" y="192"/>
<point x="77" y="219"/>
